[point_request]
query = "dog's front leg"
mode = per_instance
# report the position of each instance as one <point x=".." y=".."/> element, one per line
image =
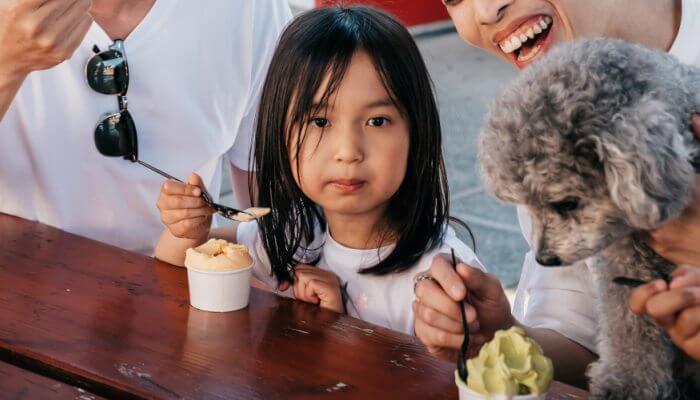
<point x="636" y="356"/>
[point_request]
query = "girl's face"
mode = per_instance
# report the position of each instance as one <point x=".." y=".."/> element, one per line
<point x="354" y="155"/>
<point x="521" y="31"/>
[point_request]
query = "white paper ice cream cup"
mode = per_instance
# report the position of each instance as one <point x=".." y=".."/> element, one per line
<point x="467" y="394"/>
<point x="219" y="291"/>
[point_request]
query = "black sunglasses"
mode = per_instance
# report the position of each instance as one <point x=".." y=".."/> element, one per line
<point x="107" y="72"/>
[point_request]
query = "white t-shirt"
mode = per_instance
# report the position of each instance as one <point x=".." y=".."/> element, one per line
<point x="196" y="71"/>
<point x="382" y="300"/>
<point x="563" y="298"/>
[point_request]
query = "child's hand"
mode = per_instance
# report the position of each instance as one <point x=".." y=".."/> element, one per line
<point x="318" y="286"/>
<point x="183" y="210"/>
<point x="676" y="307"/>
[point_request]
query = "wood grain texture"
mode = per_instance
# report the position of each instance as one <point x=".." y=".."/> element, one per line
<point x="121" y="324"/>
<point x="19" y="384"/>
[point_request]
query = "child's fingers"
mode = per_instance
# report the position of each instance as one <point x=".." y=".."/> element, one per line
<point x="174" y="202"/>
<point x="685" y="276"/>
<point x="642" y="294"/>
<point x="196" y="182"/>
<point x="182" y="215"/>
<point x="172" y="187"/>
<point x="314" y="291"/>
<point x="663" y="307"/>
<point x="299" y="287"/>
<point x="186" y="228"/>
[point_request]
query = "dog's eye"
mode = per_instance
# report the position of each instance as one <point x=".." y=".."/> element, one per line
<point x="565" y="206"/>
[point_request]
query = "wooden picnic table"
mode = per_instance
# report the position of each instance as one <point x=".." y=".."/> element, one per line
<point x="119" y="325"/>
<point x="17" y="383"/>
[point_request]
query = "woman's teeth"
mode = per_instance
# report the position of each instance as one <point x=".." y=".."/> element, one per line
<point x="525" y="34"/>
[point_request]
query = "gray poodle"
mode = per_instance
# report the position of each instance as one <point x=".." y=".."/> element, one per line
<point x="594" y="139"/>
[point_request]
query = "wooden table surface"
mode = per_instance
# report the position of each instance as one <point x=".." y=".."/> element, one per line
<point x="19" y="384"/>
<point x="119" y="324"/>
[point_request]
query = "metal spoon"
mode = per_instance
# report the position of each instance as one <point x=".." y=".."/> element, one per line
<point x="123" y="143"/>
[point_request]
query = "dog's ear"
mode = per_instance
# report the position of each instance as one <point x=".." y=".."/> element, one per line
<point x="646" y="164"/>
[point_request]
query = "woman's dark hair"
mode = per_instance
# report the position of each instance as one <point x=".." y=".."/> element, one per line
<point x="318" y="44"/>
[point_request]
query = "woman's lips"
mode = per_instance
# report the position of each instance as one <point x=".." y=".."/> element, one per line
<point x="347" y="185"/>
<point x="540" y="49"/>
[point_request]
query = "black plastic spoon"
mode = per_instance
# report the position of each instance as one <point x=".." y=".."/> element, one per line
<point x="461" y="363"/>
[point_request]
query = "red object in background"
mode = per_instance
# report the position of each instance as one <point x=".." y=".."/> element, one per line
<point x="410" y="12"/>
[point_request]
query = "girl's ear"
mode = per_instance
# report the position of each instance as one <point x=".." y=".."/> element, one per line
<point x="647" y="164"/>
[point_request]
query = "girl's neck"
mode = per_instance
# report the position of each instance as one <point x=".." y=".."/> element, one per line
<point x="359" y="231"/>
<point x="633" y="19"/>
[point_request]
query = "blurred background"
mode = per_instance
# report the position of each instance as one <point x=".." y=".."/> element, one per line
<point x="465" y="79"/>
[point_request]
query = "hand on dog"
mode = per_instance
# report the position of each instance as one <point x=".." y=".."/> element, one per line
<point x="438" y="322"/>
<point x="675" y="306"/>
<point x="679" y="240"/>
<point x="318" y="286"/>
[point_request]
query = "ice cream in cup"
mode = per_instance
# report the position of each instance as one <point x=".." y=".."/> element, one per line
<point x="219" y="274"/>
<point x="511" y="366"/>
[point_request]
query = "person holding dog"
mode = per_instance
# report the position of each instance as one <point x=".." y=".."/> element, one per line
<point x="556" y="305"/>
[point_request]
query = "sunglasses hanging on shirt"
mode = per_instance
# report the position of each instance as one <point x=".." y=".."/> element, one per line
<point x="107" y="72"/>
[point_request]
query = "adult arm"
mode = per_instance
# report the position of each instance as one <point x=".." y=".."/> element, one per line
<point x="36" y="35"/>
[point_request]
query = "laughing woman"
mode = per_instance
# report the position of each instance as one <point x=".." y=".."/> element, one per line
<point x="555" y="305"/>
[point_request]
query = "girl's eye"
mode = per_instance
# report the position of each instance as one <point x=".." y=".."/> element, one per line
<point x="377" y="122"/>
<point x="320" y="122"/>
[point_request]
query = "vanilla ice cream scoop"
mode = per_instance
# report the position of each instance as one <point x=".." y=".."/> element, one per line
<point x="252" y="213"/>
<point x="510" y="364"/>
<point x="218" y="255"/>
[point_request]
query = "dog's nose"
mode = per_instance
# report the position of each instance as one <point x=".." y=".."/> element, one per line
<point x="549" y="261"/>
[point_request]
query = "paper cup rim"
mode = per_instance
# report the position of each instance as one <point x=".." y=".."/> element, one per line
<point x="229" y="272"/>
<point x="461" y="385"/>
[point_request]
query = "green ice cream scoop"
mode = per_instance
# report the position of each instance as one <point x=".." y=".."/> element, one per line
<point x="510" y="364"/>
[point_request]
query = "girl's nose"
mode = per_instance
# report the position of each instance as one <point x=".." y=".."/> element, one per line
<point x="348" y="146"/>
<point x="489" y="12"/>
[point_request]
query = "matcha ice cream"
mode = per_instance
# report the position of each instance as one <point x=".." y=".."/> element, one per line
<point x="511" y="364"/>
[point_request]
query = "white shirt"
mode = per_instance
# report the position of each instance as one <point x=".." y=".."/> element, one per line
<point x="195" y="76"/>
<point x="382" y="300"/>
<point x="563" y="298"/>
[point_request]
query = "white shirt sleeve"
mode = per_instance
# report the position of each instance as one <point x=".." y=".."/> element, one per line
<point x="271" y="16"/>
<point x="557" y="298"/>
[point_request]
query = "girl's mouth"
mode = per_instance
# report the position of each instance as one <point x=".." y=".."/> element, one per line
<point x="347" y="185"/>
<point x="528" y="41"/>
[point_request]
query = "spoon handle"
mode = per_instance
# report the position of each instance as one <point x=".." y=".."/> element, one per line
<point x="461" y="363"/>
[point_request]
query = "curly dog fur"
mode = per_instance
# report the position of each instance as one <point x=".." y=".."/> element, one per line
<point x="594" y="140"/>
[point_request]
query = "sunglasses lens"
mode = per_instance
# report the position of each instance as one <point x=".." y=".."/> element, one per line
<point x="116" y="136"/>
<point x="107" y="73"/>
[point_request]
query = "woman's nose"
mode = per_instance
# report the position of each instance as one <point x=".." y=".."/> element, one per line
<point x="490" y="11"/>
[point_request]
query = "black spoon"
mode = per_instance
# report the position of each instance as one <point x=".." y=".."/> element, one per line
<point x="461" y="363"/>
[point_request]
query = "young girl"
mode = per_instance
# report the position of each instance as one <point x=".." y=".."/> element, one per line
<point x="348" y="157"/>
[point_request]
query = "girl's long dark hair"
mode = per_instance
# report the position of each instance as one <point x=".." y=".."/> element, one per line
<point x="318" y="44"/>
